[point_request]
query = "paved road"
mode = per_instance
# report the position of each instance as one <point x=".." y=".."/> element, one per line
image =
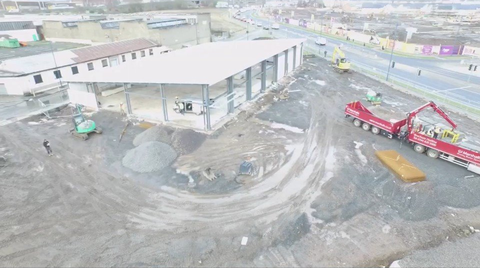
<point x="434" y="77"/>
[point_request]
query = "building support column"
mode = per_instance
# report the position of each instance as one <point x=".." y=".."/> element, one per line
<point x="264" y="76"/>
<point x="206" y="106"/>
<point x="275" y="68"/>
<point x="230" y="95"/>
<point x="301" y="54"/>
<point x="164" y="103"/>
<point x="294" y="57"/>
<point x="286" y="62"/>
<point x="249" y="84"/>
<point x="127" y="99"/>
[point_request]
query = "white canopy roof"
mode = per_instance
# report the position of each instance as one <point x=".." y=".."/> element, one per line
<point x="205" y="64"/>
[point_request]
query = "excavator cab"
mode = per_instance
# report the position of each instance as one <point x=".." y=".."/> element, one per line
<point x="340" y="62"/>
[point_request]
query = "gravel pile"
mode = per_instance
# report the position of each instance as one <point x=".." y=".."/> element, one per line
<point x="156" y="133"/>
<point x="149" y="156"/>
<point x="186" y="141"/>
<point x="461" y="253"/>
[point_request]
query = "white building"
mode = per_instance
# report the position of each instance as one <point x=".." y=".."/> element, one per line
<point x="34" y="74"/>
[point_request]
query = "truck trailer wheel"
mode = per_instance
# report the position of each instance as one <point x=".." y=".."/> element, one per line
<point x="375" y="130"/>
<point x="433" y="153"/>
<point x="419" y="148"/>
<point x="357" y="122"/>
<point x="366" y="126"/>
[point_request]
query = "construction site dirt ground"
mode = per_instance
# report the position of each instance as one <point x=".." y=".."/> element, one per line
<point x="319" y="196"/>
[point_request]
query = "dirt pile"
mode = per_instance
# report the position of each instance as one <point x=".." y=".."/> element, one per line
<point x="149" y="156"/>
<point x="155" y="133"/>
<point x="186" y="141"/>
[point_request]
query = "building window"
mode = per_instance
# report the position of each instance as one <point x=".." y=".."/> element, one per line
<point x="74" y="70"/>
<point x="57" y="74"/>
<point x="134" y="55"/>
<point x="104" y="63"/>
<point x="123" y="58"/>
<point x="90" y="66"/>
<point x="142" y="53"/>
<point x="38" y="79"/>
<point x="150" y="52"/>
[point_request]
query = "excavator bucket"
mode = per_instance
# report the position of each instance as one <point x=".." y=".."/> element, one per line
<point x="403" y="169"/>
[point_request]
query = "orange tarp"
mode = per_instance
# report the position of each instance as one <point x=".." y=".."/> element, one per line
<point x="403" y="169"/>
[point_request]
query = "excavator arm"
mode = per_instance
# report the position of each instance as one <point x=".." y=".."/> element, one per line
<point x="435" y="108"/>
<point x="340" y="53"/>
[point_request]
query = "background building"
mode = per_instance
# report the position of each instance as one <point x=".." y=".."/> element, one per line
<point x="171" y="30"/>
<point x="38" y="73"/>
<point x="24" y="31"/>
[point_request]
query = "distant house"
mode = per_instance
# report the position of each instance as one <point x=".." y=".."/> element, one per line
<point x="222" y="5"/>
<point x="42" y="72"/>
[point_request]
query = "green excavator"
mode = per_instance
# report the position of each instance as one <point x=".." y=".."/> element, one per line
<point x="374" y="97"/>
<point x="82" y="126"/>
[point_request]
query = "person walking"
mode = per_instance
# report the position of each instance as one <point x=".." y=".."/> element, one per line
<point x="46" y="144"/>
<point x="325" y="53"/>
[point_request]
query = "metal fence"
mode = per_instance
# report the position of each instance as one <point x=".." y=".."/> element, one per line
<point x="13" y="109"/>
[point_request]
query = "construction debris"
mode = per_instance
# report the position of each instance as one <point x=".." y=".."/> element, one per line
<point x="246" y="168"/>
<point x="123" y="132"/>
<point x="209" y="175"/>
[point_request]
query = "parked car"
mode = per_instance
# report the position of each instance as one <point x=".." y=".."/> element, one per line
<point x="259" y="24"/>
<point x="321" y="41"/>
<point x="266" y="27"/>
<point x="275" y="26"/>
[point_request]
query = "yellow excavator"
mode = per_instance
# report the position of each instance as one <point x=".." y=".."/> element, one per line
<point x="339" y="62"/>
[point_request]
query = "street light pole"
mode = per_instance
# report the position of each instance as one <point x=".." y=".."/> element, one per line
<point x="391" y="52"/>
<point x="55" y="61"/>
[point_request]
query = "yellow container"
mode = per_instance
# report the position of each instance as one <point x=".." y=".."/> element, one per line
<point x="403" y="169"/>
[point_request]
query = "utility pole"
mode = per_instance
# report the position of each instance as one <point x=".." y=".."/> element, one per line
<point x="55" y="62"/>
<point x="391" y="53"/>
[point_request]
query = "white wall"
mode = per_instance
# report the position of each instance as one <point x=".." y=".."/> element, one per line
<point x="298" y="59"/>
<point x="78" y="95"/>
<point x="23" y="35"/>
<point x="281" y="66"/>
<point x="290" y="60"/>
<point x="15" y="86"/>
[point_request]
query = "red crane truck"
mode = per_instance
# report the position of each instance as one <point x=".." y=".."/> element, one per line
<point x="462" y="153"/>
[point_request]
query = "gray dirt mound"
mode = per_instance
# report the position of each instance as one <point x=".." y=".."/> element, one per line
<point x="186" y="141"/>
<point x="149" y="156"/>
<point x="156" y="133"/>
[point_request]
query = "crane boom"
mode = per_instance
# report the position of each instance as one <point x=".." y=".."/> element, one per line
<point x="435" y="108"/>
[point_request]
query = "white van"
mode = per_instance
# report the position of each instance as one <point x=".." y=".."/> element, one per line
<point x="275" y="26"/>
<point x="321" y="41"/>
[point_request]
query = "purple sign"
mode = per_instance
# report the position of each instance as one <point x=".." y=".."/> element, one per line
<point x="457" y="50"/>
<point x="446" y="50"/>
<point x="427" y="49"/>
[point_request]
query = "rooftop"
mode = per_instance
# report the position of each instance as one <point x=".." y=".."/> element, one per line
<point x="46" y="61"/>
<point x="205" y="64"/>
<point x="35" y="48"/>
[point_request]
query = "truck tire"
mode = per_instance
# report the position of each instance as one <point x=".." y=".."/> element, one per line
<point x="366" y="126"/>
<point x="433" y="153"/>
<point x="419" y="148"/>
<point x="357" y="122"/>
<point x="375" y="130"/>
